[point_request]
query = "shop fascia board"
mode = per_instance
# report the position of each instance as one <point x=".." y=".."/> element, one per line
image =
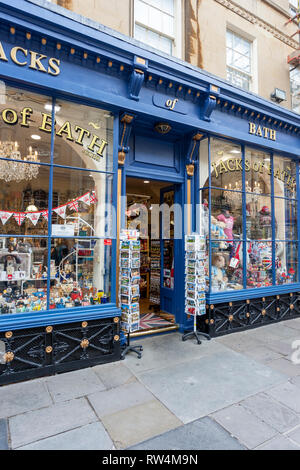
<point x="56" y="317"/>
<point x="123" y="49"/>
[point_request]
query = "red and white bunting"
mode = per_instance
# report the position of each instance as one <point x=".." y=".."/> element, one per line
<point x="45" y="214"/>
<point x="86" y="199"/>
<point x="73" y="206"/>
<point x="5" y="216"/>
<point x="93" y="198"/>
<point x="33" y="217"/>
<point x="19" y="217"/>
<point x="61" y="211"/>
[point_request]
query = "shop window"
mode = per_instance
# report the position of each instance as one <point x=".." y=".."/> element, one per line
<point x="239" y="60"/>
<point x="248" y="213"/>
<point x="157" y="23"/>
<point x="65" y="263"/>
<point x="295" y="89"/>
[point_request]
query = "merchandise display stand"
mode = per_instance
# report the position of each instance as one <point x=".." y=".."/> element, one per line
<point x="129" y="292"/>
<point x="195" y="283"/>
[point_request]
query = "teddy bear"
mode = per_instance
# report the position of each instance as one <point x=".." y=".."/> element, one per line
<point x="218" y="273"/>
<point x="217" y="232"/>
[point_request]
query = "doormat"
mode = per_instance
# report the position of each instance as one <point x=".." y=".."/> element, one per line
<point x="150" y="321"/>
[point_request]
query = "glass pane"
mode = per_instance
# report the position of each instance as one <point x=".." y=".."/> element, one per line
<point x="258" y="171"/>
<point x="22" y="203"/>
<point x="84" y="137"/>
<point x="203" y="214"/>
<point x="203" y="164"/>
<point x="168" y="272"/>
<point x="258" y="217"/>
<point x="80" y="273"/>
<point x="286" y="219"/>
<point x="226" y="165"/>
<point x="226" y="212"/>
<point x="226" y="265"/>
<point x="23" y="275"/>
<point x="287" y="270"/>
<point x="259" y="264"/>
<point x="22" y="133"/>
<point x="284" y="177"/>
<point x="82" y="205"/>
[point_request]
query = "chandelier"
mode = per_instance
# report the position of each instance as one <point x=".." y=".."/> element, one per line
<point x="13" y="170"/>
<point x="235" y="197"/>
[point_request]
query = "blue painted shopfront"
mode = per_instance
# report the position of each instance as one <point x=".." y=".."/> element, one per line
<point x="102" y="69"/>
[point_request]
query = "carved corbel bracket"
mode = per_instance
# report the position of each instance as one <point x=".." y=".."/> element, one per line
<point x="209" y="102"/>
<point x="193" y="152"/>
<point x="137" y="77"/>
<point x="126" y="121"/>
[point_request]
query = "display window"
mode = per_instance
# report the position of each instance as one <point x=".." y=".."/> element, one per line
<point x="56" y="206"/>
<point x="248" y="212"/>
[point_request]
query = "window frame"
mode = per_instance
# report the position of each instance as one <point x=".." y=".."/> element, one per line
<point x="253" y="52"/>
<point x="38" y="318"/>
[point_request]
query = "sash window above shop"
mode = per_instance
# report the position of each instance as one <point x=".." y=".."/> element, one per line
<point x="239" y="60"/>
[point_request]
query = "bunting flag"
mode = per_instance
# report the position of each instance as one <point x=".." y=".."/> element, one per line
<point x="86" y="199"/>
<point x="33" y="217"/>
<point x="73" y="206"/>
<point x="5" y="216"/>
<point x="45" y="214"/>
<point x="61" y="211"/>
<point x="93" y="198"/>
<point x="19" y="217"/>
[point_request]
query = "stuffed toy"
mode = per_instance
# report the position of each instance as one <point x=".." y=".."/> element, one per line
<point x="218" y="272"/>
<point x="217" y="232"/>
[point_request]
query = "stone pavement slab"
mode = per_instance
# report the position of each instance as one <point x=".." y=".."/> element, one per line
<point x="282" y="346"/>
<point x="35" y="425"/>
<point x="199" y="387"/>
<point x="278" y="443"/>
<point x="90" y="437"/>
<point x="285" y="366"/>
<point x="295" y="323"/>
<point x="287" y="394"/>
<point x="3" y="435"/>
<point x="262" y="354"/>
<point x="22" y="397"/>
<point x="114" y="374"/>
<point x="246" y="427"/>
<point x="203" y="434"/>
<point x="120" y="398"/>
<point x="271" y="412"/>
<point x="74" y="384"/>
<point x="139" y="423"/>
<point x="166" y="351"/>
<point x="239" y="342"/>
<point x="295" y="380"/>
<point x="295" y="435"/>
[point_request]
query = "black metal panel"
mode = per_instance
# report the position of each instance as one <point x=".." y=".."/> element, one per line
<point x="229" y="317"/>
<point x="45" y="351"/>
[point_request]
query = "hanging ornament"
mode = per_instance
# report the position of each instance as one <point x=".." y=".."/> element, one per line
<point x="85" y="198"/>
<point x="33" y="217"/>
<point x="45" y="214"/>
<point x="19" y="217"/>
<point x="5" y="216"/>
<point x="93" y="198"/>
<point x="61" y="211"/>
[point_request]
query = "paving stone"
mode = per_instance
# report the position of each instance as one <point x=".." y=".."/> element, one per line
<point x="197" y="388"/>
<point x="278" y="443"/>
<point x="164" y="352"/>
<point x="114" y="375"/>
<point x="120" y="398"/>
<point x="3" y="435"/>
<point x="295" y="380"/>
<point x="295" y="323"/>
<point x="239" y="342"/>
<point x="139" y="423"/>
<point x="22" y="397"/>
<point x="246" y="427"/>
<point x="281" y="346"/>
<point x="287" y="394"/>
<point x="262" y="354"/>
<point x="271" y="412"/>
<point x="285" y="366"/>
<point x="90" y="437"/>
<point x="295" y="435"/>
<point x="74" y="384"/>
<point x="204" y="434"/>
<point x="35" y="425"/>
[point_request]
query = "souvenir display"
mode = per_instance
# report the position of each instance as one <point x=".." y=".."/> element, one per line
<point x="129" y="292"/>
<point x="155" y="272"/>
<point x="195" y="275"/>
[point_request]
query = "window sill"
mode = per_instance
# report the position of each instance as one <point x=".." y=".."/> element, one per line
<point x="245" y="294"/>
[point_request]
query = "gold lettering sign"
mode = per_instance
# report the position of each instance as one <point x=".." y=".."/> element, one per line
<point x="33" y="60"/>
<point x="262" y="131"/>
<point x="73" y="133"/>
<point x="260" y="166"/>
<point x="171" y="103"/>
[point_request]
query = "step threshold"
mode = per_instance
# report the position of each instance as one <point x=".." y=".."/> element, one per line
<point x="154" y="331"/>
